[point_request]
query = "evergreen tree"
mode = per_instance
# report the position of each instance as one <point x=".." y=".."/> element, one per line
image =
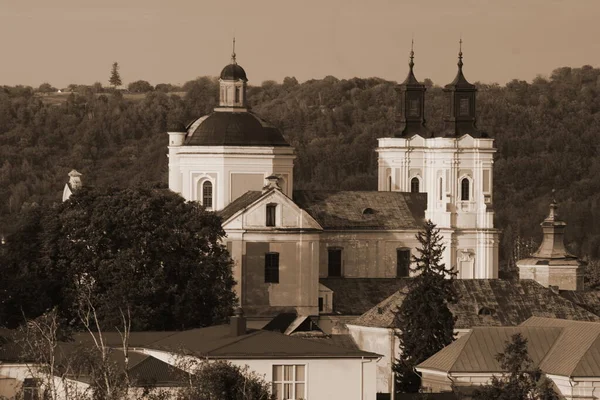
<point x="424" y="319"/>
<point x="115" y="77"/>
<point x="523" y="382"/>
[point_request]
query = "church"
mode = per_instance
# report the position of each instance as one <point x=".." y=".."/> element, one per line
<point x="286" y="244"/>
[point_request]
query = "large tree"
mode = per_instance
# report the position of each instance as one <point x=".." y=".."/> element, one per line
<point x="522" y="381"/>
<point x="425" y="322"/>
<point x="145" y="249"/>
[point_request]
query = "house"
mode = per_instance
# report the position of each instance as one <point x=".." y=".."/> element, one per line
<point x="284" y="241"/>
<point x="321" y="367"/>
<point x="567" y="352"/>
<point x="481" y="303"/>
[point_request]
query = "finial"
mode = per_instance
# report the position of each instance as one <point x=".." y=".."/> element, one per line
<point x="553" y="207"/>
<point x="412" y="54"/>
<point x="460" y="62"/>
<point x="233" y="53"/>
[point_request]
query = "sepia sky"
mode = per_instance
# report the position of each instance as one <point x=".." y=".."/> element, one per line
<point x="76" y="41"/>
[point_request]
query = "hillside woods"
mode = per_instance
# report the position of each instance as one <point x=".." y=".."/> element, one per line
<point x="547" y="133"/>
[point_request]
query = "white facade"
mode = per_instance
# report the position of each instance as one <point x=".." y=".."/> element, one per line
<point x="324" y="378"/>
<point x="231" y="170"/>
<point x="456" y="174"/>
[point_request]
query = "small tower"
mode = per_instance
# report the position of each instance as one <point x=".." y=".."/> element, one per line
<point x="71" y="186"/>
<point x="461" y="113"/>
<point x="552" y="264"/>
<point x="233" y="82"/>
<point x="411" y="119"/>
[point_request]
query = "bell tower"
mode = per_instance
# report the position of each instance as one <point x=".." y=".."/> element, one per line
<point x="233" y="85"/>
<point x="453" y="166"/>
<point x="411" y="118"/>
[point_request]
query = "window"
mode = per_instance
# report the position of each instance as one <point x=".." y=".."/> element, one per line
<point x="441" y="188"/>
<point x="272" y="268"/>
<point x="465" y="189"/>
<point x="320" y="304"/>
<point x="402" y="263"/>
<point x="271" y="212"/>
<point x="414" y="185"/>
<point x="389" y="183"/>
<point x="334" y="262"/>
<point x="207" y="194"/>
<point x="31" y="389"/>
<point x="289" y="382"/>
<point x="463" y="107"/>
<point x="413" y="109"/>
<point x="237" y="94"/>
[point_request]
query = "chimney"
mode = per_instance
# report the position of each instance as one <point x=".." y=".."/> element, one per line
<point x="237" y="322"/>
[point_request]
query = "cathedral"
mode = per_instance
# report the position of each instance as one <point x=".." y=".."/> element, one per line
<point x="287" y="243"/>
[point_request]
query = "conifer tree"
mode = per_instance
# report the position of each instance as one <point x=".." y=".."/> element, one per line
<point x="424" y="319"/>
<point x="115" y="77"/>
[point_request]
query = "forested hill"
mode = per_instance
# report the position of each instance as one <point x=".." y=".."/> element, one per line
<point x="547" y="133"/>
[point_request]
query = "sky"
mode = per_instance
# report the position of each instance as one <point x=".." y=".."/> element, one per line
<point x="76" y="41"/>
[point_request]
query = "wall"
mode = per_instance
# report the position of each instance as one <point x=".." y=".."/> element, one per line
<point x="366" y="254"/>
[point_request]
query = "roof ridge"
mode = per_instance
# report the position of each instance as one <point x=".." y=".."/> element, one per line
<point x="172" y="333"/>
<point x="563" y="331"/>
<point x="237" y="340"/>
<point x="585" y="352"/>
<point x="469" y="334"/>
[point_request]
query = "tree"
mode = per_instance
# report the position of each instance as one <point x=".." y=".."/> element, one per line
<point x="222" y="380"/>
<point x="523" y="382"/>
<point x="140" y="87"/>
<point x="424" y="319"/>
<point x="145" y="249"/>
<point x="46" y="88"/>
<point x="115" y="77"/>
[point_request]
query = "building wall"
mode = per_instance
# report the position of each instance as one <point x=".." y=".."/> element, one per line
<point x="366" y="254"/>
<point x="566" y="277"/>
<point x="440" y="165"/>
<point x="326" y="378"/>
<point x="232" y="170"/>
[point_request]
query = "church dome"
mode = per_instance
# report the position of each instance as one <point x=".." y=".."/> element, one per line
<point x="233" y="72"/>
<point x="233" y="129"/>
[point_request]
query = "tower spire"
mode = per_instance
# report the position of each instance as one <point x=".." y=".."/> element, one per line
<point x="412" y="54"/>
<point x="411" y="120"/>
<point x="233" y="61"/>
<point x="460" y="55"/>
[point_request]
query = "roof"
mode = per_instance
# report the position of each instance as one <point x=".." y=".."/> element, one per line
<point x="245" y="200"/>
<point x="355" y="296"/>
<point x="476" y="351"/>
<point x="370" y="210"/>
<point x="484" y="302"/>
<point x="557" y="346"/>
<point x="216" y="342"/>
<point x="588" y="299"/>
<point x="233" y="72"/>
<point x="233" y="128"/>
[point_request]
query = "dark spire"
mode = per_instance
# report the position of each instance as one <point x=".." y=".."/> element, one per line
<point x="233" y="61"/>
<point x="460" y="118"/>
<point x="411" y="120"/>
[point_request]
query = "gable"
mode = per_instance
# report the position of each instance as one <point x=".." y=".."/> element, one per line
<point x="251" y="213"/>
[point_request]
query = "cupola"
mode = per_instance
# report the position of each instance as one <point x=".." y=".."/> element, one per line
<point x="233" y="82"/>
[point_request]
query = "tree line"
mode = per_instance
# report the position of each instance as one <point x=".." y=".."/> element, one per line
<point x="546" y="132"/>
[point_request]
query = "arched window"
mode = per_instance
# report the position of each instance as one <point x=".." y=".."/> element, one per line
<point x="237" y="94"/>
<point x="414" y="185"/>
<point x="389" y="183"/>
<point x="207" y="194"/>
<point x="465" y="189"/>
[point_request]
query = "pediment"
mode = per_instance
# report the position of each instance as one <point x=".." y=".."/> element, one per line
<point x="288" y="215"/>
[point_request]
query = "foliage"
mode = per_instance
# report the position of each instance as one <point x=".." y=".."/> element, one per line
<point x="223" y="380"/>
<point x="545" y="132"/>
<point x="425" y="322"/>
<point x="115" y="77"/>
<point x="522" y="381"/>
<point x="145" y="249"/>
<point x="140" y="87"/>
<point x="46" y="88"/>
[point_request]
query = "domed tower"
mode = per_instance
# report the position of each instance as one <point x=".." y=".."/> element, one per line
<point x="220" y="156"/>
<point x="453" y="166"/>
